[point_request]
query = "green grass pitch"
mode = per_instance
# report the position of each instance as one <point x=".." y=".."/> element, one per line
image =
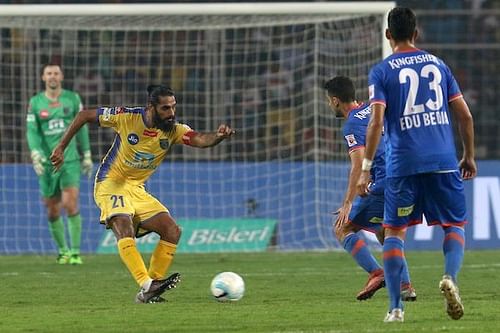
<point x="286" y="292"/>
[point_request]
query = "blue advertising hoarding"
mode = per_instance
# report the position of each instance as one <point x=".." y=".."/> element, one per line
<point x="300" y="196"/>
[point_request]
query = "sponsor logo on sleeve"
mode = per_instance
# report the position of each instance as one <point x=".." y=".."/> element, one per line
<point x="30" y="117"/>
<point x="106" y="113"/>
<point x="371" y="91"/>
<point x="351" y="140"/>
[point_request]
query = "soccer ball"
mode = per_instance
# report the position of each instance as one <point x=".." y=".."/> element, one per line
<point x="227" y="286"/>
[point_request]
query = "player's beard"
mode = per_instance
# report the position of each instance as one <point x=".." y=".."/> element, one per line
<point x="166" y="125"/>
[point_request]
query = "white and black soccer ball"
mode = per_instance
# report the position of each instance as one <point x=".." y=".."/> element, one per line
<point x="227" y="286"/>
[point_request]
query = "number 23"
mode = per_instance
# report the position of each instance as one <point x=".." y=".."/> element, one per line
<point x="410" y="74"/>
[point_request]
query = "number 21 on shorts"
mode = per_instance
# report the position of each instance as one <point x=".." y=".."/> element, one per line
<point x="117" y="201"/>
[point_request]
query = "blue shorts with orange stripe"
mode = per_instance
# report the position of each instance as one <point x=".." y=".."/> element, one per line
<point x="367" y="212"/>
<point x="438" y="196"/>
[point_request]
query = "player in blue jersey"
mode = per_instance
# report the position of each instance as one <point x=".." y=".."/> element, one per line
<point x="361" y="213"/>
<point x="412" y="93"/>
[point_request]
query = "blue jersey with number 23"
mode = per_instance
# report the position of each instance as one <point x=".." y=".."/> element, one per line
<point x="416" y="87"/>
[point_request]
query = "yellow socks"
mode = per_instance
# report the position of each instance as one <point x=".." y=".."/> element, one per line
<point x="133" y="260"/>
<point x="161" y="259"/>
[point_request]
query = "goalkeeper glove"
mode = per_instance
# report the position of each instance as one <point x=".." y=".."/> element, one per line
<point x="38" y="162"/>
<point x="87" y="165"/>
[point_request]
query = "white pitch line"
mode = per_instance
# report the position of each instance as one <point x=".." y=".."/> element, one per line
<point x="282" y="272"/>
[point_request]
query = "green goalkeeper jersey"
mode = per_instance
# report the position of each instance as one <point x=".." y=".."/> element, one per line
<point x="47" y="120"/>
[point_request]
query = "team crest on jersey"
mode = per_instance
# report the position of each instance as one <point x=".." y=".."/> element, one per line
<point x="351" y="140"/>
<point x="164" y="144"/>
<point x="66" y="110"/>
<point x="133" y="139"/>
<point x="44" y="114"/>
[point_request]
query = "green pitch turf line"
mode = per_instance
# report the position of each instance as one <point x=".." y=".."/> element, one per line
<point x="286" y="292"/>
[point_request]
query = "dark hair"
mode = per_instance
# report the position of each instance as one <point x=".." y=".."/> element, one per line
<point x="155" y="91"/>
<point x="50" y="64"/>
<point x="341" y="87"/>
<point x="402" y="23"/>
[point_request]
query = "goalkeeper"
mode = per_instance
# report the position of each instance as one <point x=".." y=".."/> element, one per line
<point x="49" y="114"/>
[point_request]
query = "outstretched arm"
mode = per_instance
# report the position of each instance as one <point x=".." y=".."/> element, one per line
<point x="205" y="140"/>
<point x="466" y="128"/>
<point x="83" y="117"/>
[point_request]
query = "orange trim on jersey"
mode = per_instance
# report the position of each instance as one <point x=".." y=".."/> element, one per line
<point x="447" y="224"/>
<point x="454" y="97"/>
<point x="357" y="246"/>
<point x="399" y="227"/>
<point x="355" y="148"/>
<point x="408" y="50"/>
<point x="356" y="106"/>
<point x="419" y="221"/>
<point x="186" y="138"/>
<point x="377" y="101"/>
<point x="455" y="236"/>
<point x="150" y="133"/>
<point x="393" y="253"/>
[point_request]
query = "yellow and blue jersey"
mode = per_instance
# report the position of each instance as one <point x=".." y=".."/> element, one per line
<point x="137" y="150"/>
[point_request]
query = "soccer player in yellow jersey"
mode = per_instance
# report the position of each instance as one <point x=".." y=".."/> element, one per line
<point x="143" y="138"/>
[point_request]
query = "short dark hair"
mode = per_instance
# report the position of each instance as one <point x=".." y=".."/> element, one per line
<point x="402" y="23"/>
<point x="50" y="64"/>
<point x="341" y="87"/>
<point x="155" y="91"/>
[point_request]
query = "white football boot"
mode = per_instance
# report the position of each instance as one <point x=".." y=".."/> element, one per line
<point x="396" y="315"/>
<point x="453" y="303"/>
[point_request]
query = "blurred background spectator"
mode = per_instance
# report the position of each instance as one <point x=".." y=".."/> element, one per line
<point x="262" y="79"/>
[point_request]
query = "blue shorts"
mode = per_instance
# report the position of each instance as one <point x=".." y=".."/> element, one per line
<point x="367" y="212"/>
<point x="438" y="196"/>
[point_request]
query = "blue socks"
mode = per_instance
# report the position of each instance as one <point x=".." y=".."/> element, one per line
<point x="394" y="264"/>
<point x="405" y="275"/>
<point x="360" y="252"/>
<point x="453" y="249"/>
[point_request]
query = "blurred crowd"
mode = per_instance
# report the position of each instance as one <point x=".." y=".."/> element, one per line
<point x="265" y="81"/>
